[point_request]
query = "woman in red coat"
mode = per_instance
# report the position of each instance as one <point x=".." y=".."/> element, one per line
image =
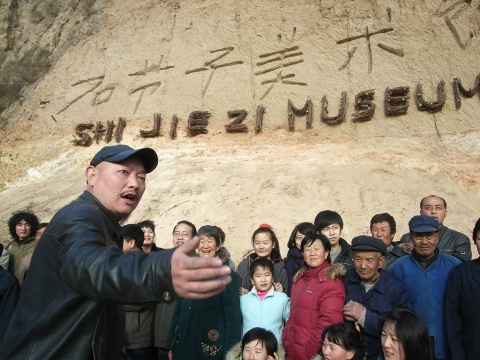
<point x="318" y="296"/>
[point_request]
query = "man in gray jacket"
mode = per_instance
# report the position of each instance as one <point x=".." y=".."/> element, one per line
<point x="450" y="242"/>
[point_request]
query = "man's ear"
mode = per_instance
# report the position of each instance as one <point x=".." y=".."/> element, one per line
<point x="382" y="261"/>
<point x="91" y="174"/>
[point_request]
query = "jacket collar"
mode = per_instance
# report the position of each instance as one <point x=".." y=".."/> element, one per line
<point x="344" y="246"/>
<point x="269" y="293"/>
<point x="89" y="198"/>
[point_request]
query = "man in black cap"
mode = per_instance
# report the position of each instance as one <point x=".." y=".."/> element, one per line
<point x="71" y="302"/>
<point x="425" y="273"/>
<point x="371" y="291"/>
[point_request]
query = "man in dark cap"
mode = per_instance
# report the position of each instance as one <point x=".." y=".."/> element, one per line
<point x="425" y="273"/>
<point x="450" y="241"/>
<point x="71" y="302"/>
<point x="371" y="291"/>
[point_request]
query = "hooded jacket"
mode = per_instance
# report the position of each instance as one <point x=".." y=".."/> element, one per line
<point x="318" y="296"/>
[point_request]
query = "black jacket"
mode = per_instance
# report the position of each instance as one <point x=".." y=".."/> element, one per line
<point x="345" y="257"/>
<point x="70" y="303"/>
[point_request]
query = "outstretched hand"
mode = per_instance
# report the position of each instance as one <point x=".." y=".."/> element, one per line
<point x="197" y="277"/>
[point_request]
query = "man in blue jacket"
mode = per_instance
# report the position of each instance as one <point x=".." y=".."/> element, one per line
<point x="371" y="291"/>
<point x="450" y="241"/>
<point x="425" y="273"/>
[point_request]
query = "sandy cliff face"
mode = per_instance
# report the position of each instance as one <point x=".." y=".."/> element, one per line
<point x="344" y="125"/>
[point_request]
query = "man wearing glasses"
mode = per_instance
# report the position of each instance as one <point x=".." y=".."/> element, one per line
<point x="182" y="232"/>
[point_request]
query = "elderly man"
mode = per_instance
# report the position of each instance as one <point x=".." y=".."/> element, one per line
<point x="450" y="242"/>
<point x="70" y="305"/>
<point x="384" y="227"/>
<point x="371" y="291"/>
<point x="425" y="273"/>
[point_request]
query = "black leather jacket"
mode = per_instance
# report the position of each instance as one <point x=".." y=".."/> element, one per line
<point x="69" y="307"/>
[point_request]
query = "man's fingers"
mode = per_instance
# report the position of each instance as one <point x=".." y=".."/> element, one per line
<point x="197" y="277"/>
<point x="189" y="246"/>
<point x="208" y="273"/>
<point x="206" y="288"/>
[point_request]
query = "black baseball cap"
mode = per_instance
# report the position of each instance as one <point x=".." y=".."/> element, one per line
<point x="120" y="152"/>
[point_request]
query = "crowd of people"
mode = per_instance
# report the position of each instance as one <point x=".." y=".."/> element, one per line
<point x="83" y="286"/>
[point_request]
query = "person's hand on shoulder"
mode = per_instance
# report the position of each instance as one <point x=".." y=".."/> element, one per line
<point x="243" y="291"/>
<point x="197" y="277"/>
<point x="406" y="247"/>
<point x="278" y="286"/>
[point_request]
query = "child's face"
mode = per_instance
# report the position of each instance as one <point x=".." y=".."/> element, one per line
<point x="254" y="350"/>
<point x="263" y="245"/>
<point x="207" y="246"/>
<point x="262" y="279"/>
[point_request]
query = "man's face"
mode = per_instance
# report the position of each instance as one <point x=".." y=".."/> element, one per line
<point x="23" y="229"/>
<point x="368" y="264"/>
<point x="424" y="243"/>
<point x="119" y="187"/>
<point x="333" y="233"/>
<point x="434" y="207"/>
<point x="182" y="233"/>
<point x="383" y="232"/>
